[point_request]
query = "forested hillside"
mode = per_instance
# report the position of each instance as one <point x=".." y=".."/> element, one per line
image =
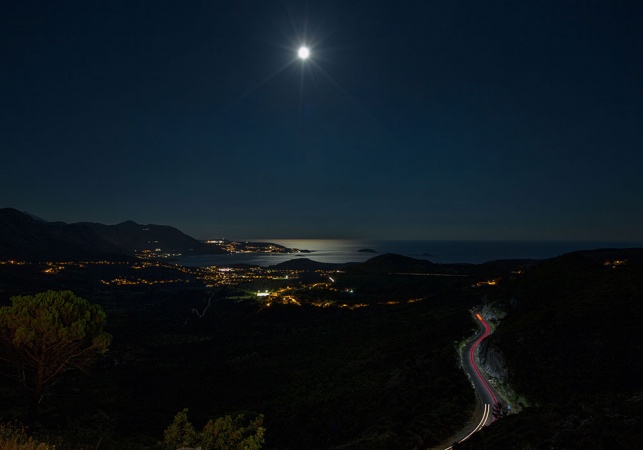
<point x="573" y="341"/>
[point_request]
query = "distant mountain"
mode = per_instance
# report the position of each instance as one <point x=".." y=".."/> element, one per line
<point x="307" y="264"/>
<point x="390" y="262"/>
<point x="25" y="238"/>
<point x="130" y="237"/>
<point x="22" y="237"/>
<point x="39" y="219"/>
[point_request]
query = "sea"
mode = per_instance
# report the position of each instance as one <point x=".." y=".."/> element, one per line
<point x="445" y="252"/>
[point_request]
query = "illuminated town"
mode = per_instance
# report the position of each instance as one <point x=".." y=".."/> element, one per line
<point x="264" y="285"/>
<point x="221" y="246"/>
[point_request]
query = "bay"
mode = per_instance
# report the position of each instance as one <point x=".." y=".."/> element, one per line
<point x="446" y="252"/>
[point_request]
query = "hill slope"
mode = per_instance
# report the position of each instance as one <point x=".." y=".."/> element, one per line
<point x="572" y="340"/>
<point x="24" y="238"/>
<point x="130" y="236"/>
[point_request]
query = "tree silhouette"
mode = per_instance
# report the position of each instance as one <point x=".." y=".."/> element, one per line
<point x="47" y="334"/>
<point x="225" y="433"/>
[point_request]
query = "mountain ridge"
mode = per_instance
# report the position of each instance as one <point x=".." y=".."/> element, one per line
<point x="23" y="237"/>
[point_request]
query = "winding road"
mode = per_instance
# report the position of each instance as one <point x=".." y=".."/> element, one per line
<point x="485" y="391"/>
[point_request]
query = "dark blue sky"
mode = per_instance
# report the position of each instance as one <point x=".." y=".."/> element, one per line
<point x="412" y="119"/>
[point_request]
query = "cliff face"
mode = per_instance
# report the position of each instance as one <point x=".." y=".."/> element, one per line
<point x="493" y="312"/>
<point x="493" y="361"/>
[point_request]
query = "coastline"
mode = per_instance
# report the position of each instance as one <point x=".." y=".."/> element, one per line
<point x="446" y="252"/>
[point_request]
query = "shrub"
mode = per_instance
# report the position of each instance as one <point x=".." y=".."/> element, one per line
<point x="224" y="433"/>
<point x="14" y="437"/>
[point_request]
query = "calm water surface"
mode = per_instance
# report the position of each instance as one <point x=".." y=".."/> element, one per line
<point x="347" y="250"/>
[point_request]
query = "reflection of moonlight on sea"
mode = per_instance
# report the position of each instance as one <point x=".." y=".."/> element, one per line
<point x="303" y="53"/>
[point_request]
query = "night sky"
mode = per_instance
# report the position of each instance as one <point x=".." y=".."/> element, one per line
<point x="411" y="119"/>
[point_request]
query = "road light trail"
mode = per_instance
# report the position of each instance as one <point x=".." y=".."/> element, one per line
<point x="483" y="420"/>
<point x="484" y="390"/>
<point x="472" y="359"/>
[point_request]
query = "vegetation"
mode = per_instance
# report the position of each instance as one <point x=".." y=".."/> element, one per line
<point x="15" y="437"/>
<point x="382" y="375"/>
<point x="224" y="433"/>
<point x="572" y="340"/>
<point x="45" y="335"/>
<point x="362" y="359"/>
<point x="580" y="320"/>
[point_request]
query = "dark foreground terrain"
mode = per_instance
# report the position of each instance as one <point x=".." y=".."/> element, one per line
<point x="573" y="348"/>
<point x="362" y="358"/>
<point x="365" y="361"/>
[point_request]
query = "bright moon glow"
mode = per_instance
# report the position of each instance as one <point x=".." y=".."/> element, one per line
<point x="303" y="53"/>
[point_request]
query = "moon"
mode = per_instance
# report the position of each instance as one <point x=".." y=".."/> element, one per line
<point x="303" y="53"/>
